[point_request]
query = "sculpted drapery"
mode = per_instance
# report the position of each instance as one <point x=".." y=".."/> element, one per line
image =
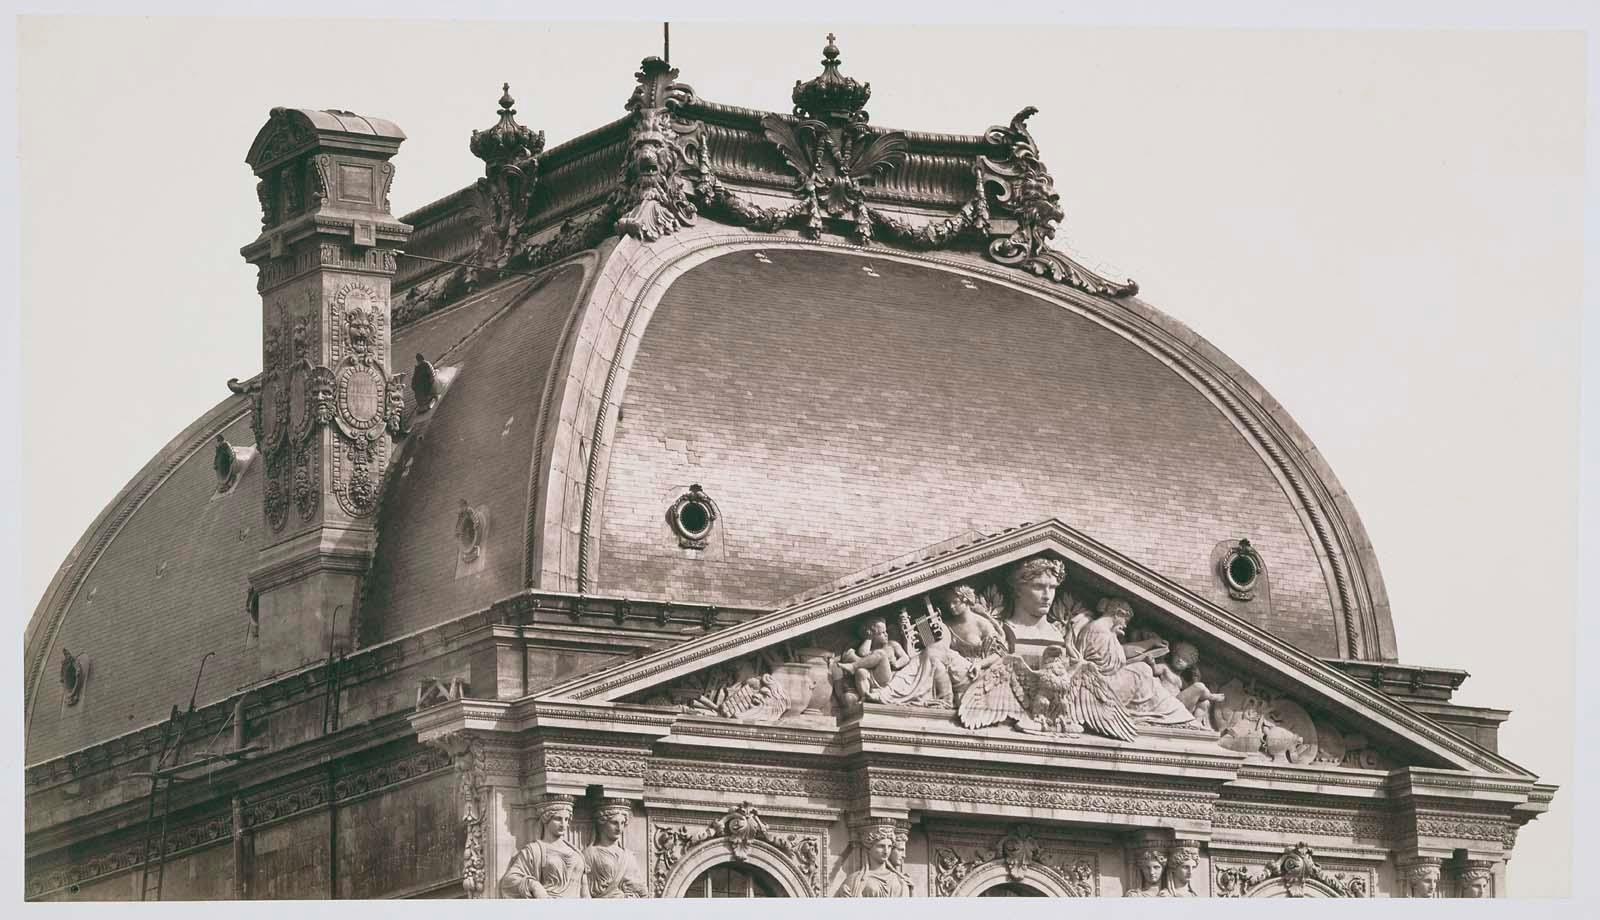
<point x="548" y="867"/>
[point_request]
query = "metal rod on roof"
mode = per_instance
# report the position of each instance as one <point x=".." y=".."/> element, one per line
<point x="666" y="42"/>
<point x="483" y="268"/>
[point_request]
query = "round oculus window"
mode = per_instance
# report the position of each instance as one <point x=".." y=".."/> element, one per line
<point x="1241" y="570"/>
<point x="691" y="517"/>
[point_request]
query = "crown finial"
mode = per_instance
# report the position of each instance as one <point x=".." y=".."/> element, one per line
<point x="830" y="95"/>
<point x="506" y="141"/>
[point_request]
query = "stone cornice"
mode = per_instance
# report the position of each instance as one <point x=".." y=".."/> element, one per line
<point x="542" y="615"/>
<point x="260" y="770"/>
<point x="1424" y="784"/>
<point x="1322" y="780"/>
<point x="883" y="731"/>
<point x="1404" y="681"/>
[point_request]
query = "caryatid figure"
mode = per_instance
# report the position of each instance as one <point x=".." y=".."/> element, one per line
<point x="878" y="879"/>
<point x="1422" y="879"/>
<point x="1151" y="862"/>
<point x="1477" y="878"/>
<point x="1181" y="861"/>
<point x="549" y="867"/>
<point x="613" y="871"/>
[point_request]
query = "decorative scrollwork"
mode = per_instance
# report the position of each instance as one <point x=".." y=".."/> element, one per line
<point x="1025" y="193"/>
<point x="1295" y="870"/>
<point x="653" y="195"/>
<point x="739" y="829"/>
<point x="1021" y="854"/>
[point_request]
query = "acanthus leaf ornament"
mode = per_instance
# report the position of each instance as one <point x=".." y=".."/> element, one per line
<point x="831" y="149"/>
<point x="307" y="480"/>
<point x="1025" y="193"/>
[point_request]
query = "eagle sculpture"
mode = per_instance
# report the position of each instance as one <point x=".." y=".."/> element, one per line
<point x="1066" y="694"/>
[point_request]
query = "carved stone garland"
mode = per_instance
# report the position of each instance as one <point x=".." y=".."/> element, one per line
<point x="467" y="754"/>
<point x="1296" y="872"/>
<point x="738" y="828"/>
<point x="269" y="413"/>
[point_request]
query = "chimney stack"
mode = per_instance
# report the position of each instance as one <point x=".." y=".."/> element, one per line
<point x="326" y="405"/>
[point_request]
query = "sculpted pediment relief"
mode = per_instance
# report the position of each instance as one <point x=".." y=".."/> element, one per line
<point x="1025" y="647"/>
<point x="1042" y="631"/>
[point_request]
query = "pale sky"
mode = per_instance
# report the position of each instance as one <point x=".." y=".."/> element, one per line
<point x="1384" y="228"/>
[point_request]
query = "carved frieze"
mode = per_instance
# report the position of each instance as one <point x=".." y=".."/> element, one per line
<point x="1365" y="823"/>
<point x="127" y="853"/>
<point x="1022" y="790"/>
<point x="586" y="756"/>
<point x="749" y="777"/>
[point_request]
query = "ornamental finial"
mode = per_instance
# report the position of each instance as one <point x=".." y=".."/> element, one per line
<point x="506" y="142"/>
<point x="830" y="96"/>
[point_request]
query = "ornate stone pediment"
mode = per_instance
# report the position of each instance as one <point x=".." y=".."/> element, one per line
<point x="1120" y="653"/>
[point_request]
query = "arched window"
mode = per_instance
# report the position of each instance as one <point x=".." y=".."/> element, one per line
<point x="1011" y="890"/>
<point x="729" y="880"/>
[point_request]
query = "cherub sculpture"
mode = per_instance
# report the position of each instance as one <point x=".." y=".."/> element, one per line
<point x="873" y="664"/>
<point x="1180" y="674"/>
<point x="1065" y="695"/>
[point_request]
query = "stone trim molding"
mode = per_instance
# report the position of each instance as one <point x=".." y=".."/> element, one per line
<point x="710" y="853"/>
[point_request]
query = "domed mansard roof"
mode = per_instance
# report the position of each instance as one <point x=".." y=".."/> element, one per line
<point x="720" y="356"/>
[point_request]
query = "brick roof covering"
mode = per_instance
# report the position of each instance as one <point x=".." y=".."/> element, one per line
<point x="170" y="583"/>
<point x="839" y="417"/>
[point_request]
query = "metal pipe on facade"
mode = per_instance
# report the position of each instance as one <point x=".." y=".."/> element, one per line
<point x="241" y="888"/>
